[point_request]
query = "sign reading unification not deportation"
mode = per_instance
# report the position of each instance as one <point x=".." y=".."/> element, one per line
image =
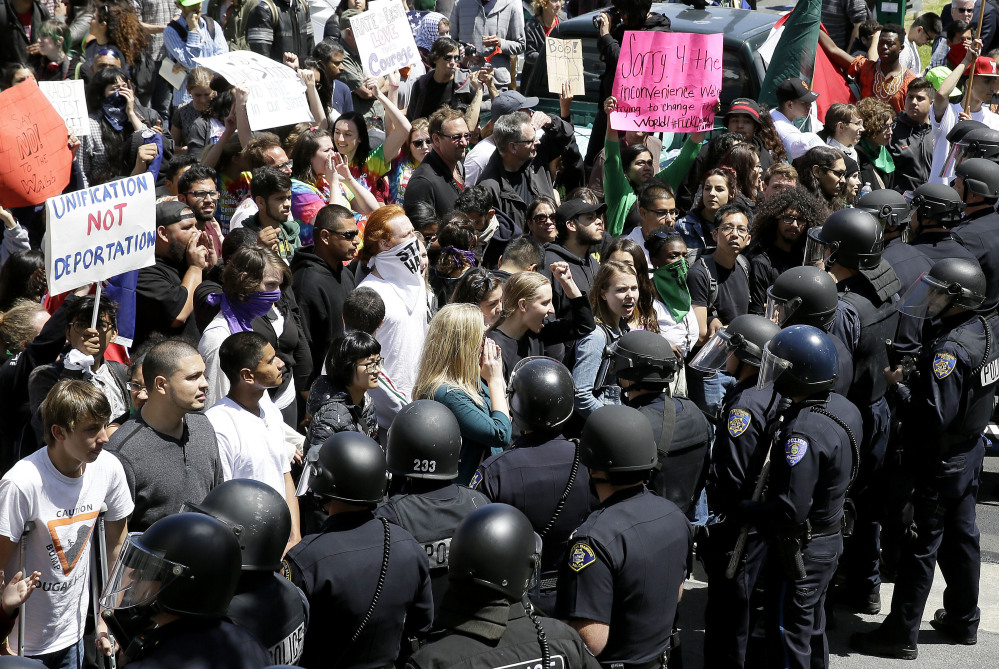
<point x="100" y="232"/>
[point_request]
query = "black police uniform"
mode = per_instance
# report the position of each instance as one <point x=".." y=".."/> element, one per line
<point x="811" y="462"/>
<point x="909" y="263"/>
<point x="513" y="645"/>
<point x="338" y="570"/>
<point x="736" y="461"/>
<point x="937" y="245"/>
<point x="942" y="422"/>
<point x="533" y="477"/>
<point x="865" y="321"/>
<point x="624" y="569"/>
<point x="432" y="517"/>
<point x="277" y="613"/>
<point x="201" y="644"/>
<point x="682" y="463"/>
<point x="979" y="233"/>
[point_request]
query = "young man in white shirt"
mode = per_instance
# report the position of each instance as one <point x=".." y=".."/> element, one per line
<point x="61" y="488"/>
<point x="248" y="426"/>
<point x="794" y="101"/>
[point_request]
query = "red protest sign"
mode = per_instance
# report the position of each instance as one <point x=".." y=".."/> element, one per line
<point x="34" y="154"/>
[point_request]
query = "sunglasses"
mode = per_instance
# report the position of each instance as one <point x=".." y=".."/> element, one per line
<point x="349" y="235"/>
<point x="420" y="143"/>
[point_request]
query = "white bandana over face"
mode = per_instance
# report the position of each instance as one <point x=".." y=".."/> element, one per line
<point x="400" y="266"/>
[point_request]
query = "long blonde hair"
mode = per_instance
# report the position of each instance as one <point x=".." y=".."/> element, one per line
<point x="451" y="353"/>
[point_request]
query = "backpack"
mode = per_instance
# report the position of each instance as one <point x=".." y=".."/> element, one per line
<point x="740" y="262"/>
<point x="239" y="19"/>
<point x="182" y="30"/>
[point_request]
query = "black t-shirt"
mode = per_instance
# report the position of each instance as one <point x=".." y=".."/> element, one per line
<point x="733" y="288"/>
<point x="159" y="299"/>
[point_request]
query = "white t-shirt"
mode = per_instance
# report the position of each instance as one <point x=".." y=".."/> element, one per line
<point x="65" y="512"/>
<point x="244" y="210"/>
<point x="637" y="237"/>
<point x="941" y="147"/>
<point x="684" y="334"/>
<point x="796" y="142"/>
<point x="251" y="447"/>
<point x="909" y="57"/>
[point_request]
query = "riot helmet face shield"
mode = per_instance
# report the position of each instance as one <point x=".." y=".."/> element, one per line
<point x="929" y="297"/>
<point x="771" y="367"/>
<point x="138" y="577"/>
<point x="818" y="252"/>
<point x="714" y="356"/>
<point x="780" y="310"/>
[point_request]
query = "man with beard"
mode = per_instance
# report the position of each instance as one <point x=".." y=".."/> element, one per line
<point x="196" y="188"/>
<point x="580" y="227"/>
<point x="271" y="191"/>
<point x="321" y="281"/>
<point x="164" y="293"/>
<point x="779" y="227"/>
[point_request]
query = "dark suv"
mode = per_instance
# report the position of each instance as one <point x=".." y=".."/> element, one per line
<point x="742" y="66"/>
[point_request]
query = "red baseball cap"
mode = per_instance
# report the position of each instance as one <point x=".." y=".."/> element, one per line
<point x="986" y="67"/>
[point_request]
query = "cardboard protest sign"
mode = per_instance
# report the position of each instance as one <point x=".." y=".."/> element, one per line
<point x="69" y="99"/>
<point x="384" y="39"/>
<point x="34" y="152"/>
<point x="100" y="232"/>
<point x="667" y="82"/>
<point x="277" y="95"/>
<point x="565" y="65"/>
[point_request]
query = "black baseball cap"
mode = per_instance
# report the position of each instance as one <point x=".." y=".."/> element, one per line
<point x="172" y="211"/>
<point x="570" y="209"/>
<point x="745" y="106"/>
<point x="795" y="89"/>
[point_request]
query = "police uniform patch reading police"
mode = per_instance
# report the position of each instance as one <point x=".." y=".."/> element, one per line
<point x="795" y="450"/>
<point x="581" y="556"/>
<point x="476" y="480"/>
<point x="738" y="421"/>
<point x="943" y="365"/>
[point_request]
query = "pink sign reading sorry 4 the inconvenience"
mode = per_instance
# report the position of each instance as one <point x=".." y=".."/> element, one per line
<point x="667" y="82"/>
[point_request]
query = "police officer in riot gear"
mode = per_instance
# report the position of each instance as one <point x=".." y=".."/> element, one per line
<point x="620" y="582"/>
<point x="168" y="592"/>
<point x="265" y="602"/>
<point x="644" y="365"/>
<point x="812" y="462"/>
<point x="484" y="622"/>
<point x="849" y="246"/>
<point x="423" y="445"/>
<point x="936" y="209"/>
<point x="361" y="613"/>
<point x="807" y="296"/>
<point x="977" y="181"/>
<point x="943" y="413"/>
<point x="741" y="445"/>
<point x="541" y="474"/>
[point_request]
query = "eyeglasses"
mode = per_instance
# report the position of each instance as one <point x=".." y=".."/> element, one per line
<point x="135" y="387"/>
<point x="964" y="10"/>
<point x="791" y="218"/>
<point x="286" y="165"/>
<point x="740" y="230"/>
<point x="102" y="325"/>
<point x="346" y="234"/>
<point x="532" y="140"/>
<point x="370" y="367"/>
<point x="542" y="218"/>
<point x="203" y="194"/>
<point x="420" y="143"/>
<point x="451" y="59"/>
<point x="458" y="137"/>
<point x="839" y="173"/>
<point x="664" y="213"/>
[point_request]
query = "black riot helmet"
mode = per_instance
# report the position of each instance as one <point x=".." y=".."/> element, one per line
<point x="980" y="143"/>
<point x="937" y="202"/>
<point x="955" y="137"/>
<point x="980" y="176"/>
<point x="887" y="205"/>
<point x="803" y="295"/>
<point x="744" y="338"/>
<point x="851" y="238"/>
<point x="424" y="441"/>
<point x="800" y="360"/>
<point x="541" y="393"/>
<point x="496" y="547"/>
<point x="350" y="468"/>
<point x="951" y="282"/>
<point x="644" y="358"/>
<point x="187" y="564"/>
<point x="618" y="439"/>
<point x="258" y="516"/>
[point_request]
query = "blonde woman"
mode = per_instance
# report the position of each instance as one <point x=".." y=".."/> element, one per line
<point x="523" y="329"/>
<point x="463" y="370"/>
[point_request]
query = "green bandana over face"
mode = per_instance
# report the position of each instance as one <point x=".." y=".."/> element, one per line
<point x="671" y="284"/>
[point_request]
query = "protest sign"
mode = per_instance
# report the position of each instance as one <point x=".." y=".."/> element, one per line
<point x="34" y="152"/>
<point x="565" y="65"/>
<point x="277" y="95"/>
<point x="384" y="39"/>
<point x="69" y="99"/>
<point x="100" y="232"/>
<point x="667" y="82"/>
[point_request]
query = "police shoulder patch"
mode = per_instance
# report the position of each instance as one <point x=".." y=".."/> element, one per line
<point x="738" y="421"/>
<point x="581" y="556"/>
<point x="795" y="449"/>
<point x="476" y="480"/>
<point x="943" y="365"/>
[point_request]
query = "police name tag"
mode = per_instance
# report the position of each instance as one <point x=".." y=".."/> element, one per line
<point x="437" y="552"/>
<point x="990" y="373"/>
<point x="557" y="662"/>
